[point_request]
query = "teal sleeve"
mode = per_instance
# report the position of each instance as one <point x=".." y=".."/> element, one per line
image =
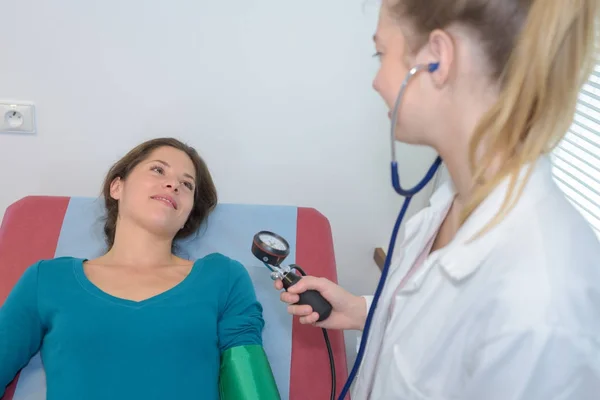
<point x="241" y="320"/>
<point x="245" y="372"/>
<point x="20" y="327"/>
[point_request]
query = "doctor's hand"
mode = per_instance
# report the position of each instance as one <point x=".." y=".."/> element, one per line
<point x="349" y="311"/>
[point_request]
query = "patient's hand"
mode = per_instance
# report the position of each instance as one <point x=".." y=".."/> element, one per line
<point x="349" y="311"/>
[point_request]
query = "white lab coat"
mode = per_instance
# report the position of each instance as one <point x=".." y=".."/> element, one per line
<point x="514" y="315"/>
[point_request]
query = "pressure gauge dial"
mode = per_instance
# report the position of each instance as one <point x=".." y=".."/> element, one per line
<point x="270" y="248"/>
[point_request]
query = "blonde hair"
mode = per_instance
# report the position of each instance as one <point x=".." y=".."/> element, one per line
<point x="541" y="52"/>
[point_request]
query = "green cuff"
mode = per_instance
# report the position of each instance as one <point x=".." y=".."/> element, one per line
<point x="246" y="374"/>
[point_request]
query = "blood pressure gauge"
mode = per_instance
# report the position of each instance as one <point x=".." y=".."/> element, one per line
<point x="270" y="248"/>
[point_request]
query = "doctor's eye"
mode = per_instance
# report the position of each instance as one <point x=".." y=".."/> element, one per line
<point x="377" y="55"/>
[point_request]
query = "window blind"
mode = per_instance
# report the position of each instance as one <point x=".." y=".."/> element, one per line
<point x="576" y="160"/>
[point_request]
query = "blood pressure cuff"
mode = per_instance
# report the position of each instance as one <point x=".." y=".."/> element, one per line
<point x="246" y="374"/>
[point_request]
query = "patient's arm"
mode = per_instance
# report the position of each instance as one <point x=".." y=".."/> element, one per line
<point x="20" y="327"/>
<point x="245" y="371"/>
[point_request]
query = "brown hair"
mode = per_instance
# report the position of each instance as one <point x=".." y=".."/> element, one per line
<point x="205" y="194"/>
<point x="541" y="52"/>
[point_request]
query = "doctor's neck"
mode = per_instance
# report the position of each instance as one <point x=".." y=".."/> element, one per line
<point x="455" y="152"/>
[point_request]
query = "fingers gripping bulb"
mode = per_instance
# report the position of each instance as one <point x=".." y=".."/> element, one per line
<point x="272" y="249"/>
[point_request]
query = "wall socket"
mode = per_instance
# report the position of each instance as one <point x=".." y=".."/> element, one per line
<point x="17" y="117"/>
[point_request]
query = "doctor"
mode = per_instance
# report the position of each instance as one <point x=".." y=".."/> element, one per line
<point x="495" y="290"/>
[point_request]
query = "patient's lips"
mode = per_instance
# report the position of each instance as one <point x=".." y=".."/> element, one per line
<point x="166" y="199"/>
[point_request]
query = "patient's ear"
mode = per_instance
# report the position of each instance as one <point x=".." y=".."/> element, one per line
<point x="116" y="187"/>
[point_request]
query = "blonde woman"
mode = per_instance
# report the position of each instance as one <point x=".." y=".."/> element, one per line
<point x="495" y="290"/>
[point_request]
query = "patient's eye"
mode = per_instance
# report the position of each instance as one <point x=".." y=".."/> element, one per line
<point x="158" y="169"/>
<point x="188" y="185"/>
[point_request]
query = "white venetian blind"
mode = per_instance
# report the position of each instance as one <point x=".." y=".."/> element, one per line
<point x="576" y="161"/>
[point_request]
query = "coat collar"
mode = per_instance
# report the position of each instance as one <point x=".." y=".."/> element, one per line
<point x="464" y="255"/>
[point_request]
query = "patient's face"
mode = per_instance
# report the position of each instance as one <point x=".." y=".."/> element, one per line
<point x="158" y="194"/>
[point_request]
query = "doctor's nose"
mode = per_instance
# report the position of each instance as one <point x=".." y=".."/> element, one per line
<point x="377" y="84"/>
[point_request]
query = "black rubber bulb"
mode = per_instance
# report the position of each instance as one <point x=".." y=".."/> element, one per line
<point x="310" y="297"/>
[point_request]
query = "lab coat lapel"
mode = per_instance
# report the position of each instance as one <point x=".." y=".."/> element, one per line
<point x="463" y="256"/>
<point x="466" y="252"/>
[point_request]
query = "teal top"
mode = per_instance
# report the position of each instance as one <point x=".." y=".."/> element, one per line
<point x="96" y="346"/>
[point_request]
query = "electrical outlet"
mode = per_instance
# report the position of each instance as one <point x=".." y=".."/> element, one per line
<point x="17" y="117"/>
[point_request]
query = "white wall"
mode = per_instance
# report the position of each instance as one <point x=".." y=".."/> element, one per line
<point x="251" y="84"/>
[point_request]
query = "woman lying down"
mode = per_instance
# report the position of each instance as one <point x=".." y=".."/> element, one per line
<point x="139" y="322"/>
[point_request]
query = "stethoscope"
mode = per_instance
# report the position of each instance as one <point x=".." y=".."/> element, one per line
<point x="273" y="249"/>
<point x="407" y="194"/>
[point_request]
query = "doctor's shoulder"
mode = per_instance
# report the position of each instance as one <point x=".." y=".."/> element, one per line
<point x="542" y="278"/>
<point x="535" y="303"/>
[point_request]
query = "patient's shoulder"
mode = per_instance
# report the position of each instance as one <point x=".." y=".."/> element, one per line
<point x="229" y="272"/>
<point x="59" y="261"/>
<point x="53" y="274"/>
<point x="57" y="264"/>
<point x="55" y="268"/>
<point x="220" y="264"/>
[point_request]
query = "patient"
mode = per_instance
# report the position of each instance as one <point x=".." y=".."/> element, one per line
<point x="140" y="322"/>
